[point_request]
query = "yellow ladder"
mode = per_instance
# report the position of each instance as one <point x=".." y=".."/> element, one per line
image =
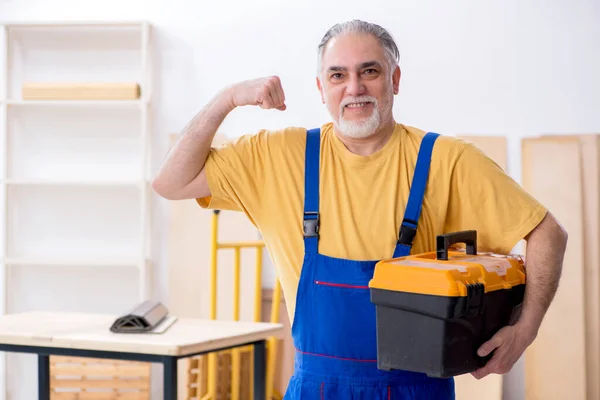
<point x="207" y="366"/>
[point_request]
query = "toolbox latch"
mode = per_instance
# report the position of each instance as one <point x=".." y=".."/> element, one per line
<point x="311" y="224"/>
<point x="475" y="300"/>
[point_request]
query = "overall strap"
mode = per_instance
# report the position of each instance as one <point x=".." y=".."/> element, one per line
<point x="408" y="229"/>
<point x="311" y="191"/>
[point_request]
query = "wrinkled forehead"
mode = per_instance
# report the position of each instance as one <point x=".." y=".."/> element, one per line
<point x="352" y="51"/>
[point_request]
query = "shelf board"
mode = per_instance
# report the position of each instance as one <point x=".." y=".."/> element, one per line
<point x="66" y="262"/>
<point x="41" y="182"/>
<point x="77" y="103"/>
<point x="81" y="23"/>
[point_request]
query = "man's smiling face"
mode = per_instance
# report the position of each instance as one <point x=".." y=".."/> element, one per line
<point x="357" y="85"/>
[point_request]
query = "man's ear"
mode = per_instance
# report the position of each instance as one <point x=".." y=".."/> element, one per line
<point x="396" y="79"/>
<point x="320" y="87"/>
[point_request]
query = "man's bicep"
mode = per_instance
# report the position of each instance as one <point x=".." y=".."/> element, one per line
<point x="197" y="188"/>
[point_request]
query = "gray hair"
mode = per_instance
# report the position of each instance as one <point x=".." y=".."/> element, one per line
<point x="356" y="26"/>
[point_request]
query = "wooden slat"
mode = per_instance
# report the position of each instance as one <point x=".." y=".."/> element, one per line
<point x="223" y="375"/>
<point x="99" y="383"/>
<point x="87" y="361"/>
<point x="556" y="361"/>
<point x="246" y="366"/>
<point x="490" y="387"/>
<point x="99" y="396"/>
<point x="201" y="379"/>
<point x="101" y="370"/>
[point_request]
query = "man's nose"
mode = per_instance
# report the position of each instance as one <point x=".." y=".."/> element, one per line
<point x="355" y="86"/>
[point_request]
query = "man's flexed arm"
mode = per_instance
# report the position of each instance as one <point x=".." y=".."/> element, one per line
<point x="181" y="175"/>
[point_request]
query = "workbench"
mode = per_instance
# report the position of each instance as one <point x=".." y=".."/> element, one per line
<point x="89" y="335"/>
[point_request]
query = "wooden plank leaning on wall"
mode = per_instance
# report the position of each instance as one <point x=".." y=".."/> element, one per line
<point x="589" y="162"/>
<point x="489" y="388"/>
<point x="590" y="152"/>
<point x="555" y="364"/>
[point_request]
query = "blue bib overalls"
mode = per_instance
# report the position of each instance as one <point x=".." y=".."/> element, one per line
<point x="334" y="329"/>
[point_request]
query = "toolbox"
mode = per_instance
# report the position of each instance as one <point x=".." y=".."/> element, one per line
<point x="434" y="310"/>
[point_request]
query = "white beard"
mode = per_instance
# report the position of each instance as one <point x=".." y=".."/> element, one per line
<point x="359" y="129"/>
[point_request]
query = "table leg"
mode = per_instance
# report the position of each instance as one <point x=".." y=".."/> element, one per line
<point x="170" y="378"/>
<point x="260" y="370"/>
<point x="43" y="377"/>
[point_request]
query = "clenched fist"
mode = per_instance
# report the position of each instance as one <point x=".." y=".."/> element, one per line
<point x="264" y="92"/>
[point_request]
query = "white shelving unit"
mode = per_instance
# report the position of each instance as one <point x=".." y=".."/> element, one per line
<point x="74" y="184"/>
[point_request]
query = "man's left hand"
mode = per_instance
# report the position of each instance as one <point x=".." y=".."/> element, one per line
<point x="508" y="345"/>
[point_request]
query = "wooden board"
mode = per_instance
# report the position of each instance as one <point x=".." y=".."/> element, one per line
<point x="80" y="91"/>
<point x="495" y="147"/>
<point x="556" y="361"/>
<point x="490" y="387"/>
<point x="590" y="158"/>
<point x="590" y="152"/>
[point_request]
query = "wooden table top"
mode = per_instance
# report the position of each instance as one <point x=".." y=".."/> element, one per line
<point x="88" y="331"/>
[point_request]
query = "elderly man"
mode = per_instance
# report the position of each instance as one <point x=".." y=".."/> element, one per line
<point x="332" y="201"/>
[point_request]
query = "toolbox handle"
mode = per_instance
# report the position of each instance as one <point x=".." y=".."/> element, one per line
<point x="467" y="237"/>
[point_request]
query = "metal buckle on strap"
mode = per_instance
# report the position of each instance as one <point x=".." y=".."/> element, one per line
<point x="311" y="224"/>
<point x="407" y="233"/>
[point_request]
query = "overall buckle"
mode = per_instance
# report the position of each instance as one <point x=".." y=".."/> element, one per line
<point x="407" y="232"/>
<point x="311" y="224"/>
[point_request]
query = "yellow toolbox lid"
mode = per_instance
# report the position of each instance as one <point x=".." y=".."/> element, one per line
<point x="448" y="272"/>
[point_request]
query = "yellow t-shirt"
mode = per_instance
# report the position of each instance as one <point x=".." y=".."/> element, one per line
<point x="362" y="198"/>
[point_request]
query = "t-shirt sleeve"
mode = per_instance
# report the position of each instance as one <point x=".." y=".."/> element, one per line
<point x="484" y="198"/>
<point x="235" y="174"/>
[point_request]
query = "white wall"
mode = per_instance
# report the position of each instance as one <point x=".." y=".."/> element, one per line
<point x="515" y="68"/>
